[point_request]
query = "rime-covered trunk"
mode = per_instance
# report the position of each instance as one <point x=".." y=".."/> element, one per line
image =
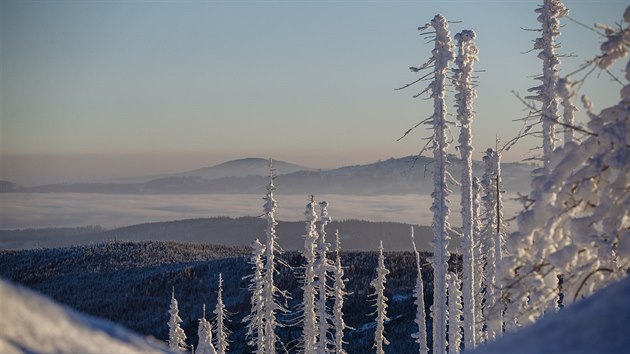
<point x="418" y="294"/>
<point x="479" y="263"/>
<point x="381" y="303"/>
<point x="565" y="90"/>
<point x="309" y="330"/>
<point x="442" y="54"/>
<point x="455" y="313"/>
<point x="339" y="287"/>
<point x="489" y="246"/>
<point x="322" y="268"/>
<point x="466" y="56"/>
<point x="499" y="245"/>
<point x="219" y="311"/>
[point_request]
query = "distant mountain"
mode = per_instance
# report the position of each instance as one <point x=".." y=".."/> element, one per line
<point x="7" y="187"/>
<point x="406" y="175"/>
<point x="32" y="323"/>
<point x="131" y="283"/>
<point x="252" y="166"/>
<point x="355" y="234"/>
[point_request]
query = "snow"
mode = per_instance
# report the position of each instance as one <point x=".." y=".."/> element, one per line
<point x="32" y="323"/>
<point x="598" y="324"/>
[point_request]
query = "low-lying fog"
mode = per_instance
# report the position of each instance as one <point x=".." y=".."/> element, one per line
<point x="19" y="210"/>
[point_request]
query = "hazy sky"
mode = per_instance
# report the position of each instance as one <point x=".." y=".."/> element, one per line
<point x="112" y="88"/>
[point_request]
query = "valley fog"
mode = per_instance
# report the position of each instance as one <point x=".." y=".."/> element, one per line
<point x="38" y="210"/>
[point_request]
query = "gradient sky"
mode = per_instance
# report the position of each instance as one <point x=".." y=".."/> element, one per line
<point x="94" y="89"/>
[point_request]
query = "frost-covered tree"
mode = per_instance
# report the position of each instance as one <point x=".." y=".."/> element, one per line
<point x="577" y="218"/>
<point x="270" y="291"/>
<point x="176" y="335"/>
<point x="219" y="311"/>
<point x="323" y="266"/>
<point x="381" y="302"/>
<point x="204" y="332"/>
<point x="339" y="293"/>
<point x="462" y="80"/>
<point x="418" y="294"/>
<point x="442" y="54"/>
<point x="254" y="320"/>
<point x="309" y="329"/>
<point x="547" y="93"/>
<point x="455" y="314"/>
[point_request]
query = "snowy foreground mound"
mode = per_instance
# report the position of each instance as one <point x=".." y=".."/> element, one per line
<point x="31" y="323"/>
<point x="599" y="324"/>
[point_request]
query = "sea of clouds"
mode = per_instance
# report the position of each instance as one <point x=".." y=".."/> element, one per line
<point x="34" y="210"/>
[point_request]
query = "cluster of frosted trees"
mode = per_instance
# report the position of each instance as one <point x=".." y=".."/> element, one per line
<point x="461" y="303"/>
<point x="573" y="236"/>
<point x="206" y="345"/>
<point x="574" y="233"/>
<point x="323" y="284"/>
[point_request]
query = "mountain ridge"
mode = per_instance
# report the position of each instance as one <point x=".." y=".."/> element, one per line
<point x="396" y="176"/>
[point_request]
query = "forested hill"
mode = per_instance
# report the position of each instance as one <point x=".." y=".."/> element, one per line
<point x="130" y="283"/>
<point x="359" y="235"/>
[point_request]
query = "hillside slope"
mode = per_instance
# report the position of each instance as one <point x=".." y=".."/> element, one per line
<point x="136" y="293"/>
<point x="357" y="235"/>
<point x="599" y="324"/>
<point x="31" y="323"/>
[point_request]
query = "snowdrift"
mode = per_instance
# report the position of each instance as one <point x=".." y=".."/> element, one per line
<point x="599" y="324"/>
<point x="32" y="323"/>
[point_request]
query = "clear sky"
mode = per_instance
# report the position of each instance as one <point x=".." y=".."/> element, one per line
<point x="96" y="89"/>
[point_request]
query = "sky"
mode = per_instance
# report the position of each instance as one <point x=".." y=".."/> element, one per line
<point x="98" y="89"/>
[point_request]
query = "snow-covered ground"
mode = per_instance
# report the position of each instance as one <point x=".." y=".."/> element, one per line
<point x="32" y="323"/>
<point x="599" y="324"/>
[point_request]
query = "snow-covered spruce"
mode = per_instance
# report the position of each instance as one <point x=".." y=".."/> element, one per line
<point x="322" y="267"/>
<point x="176" y="335"/>
<point x="547" y="93"/>
<point x="381" y="302"/>
<point x="442" y="55"/>
<point x="255" y="325"/>
<point x="455" y="314"/>
<point x="309" y="329"/>
<point x="270" y="292"/>
<point x="204" y="332"/>
<point x="579" y="215"/>
<point x="418" y="293"/>
<point x="339" y="286"/>
<point x="219" y="312"/>
<point x="462" y="80"/>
